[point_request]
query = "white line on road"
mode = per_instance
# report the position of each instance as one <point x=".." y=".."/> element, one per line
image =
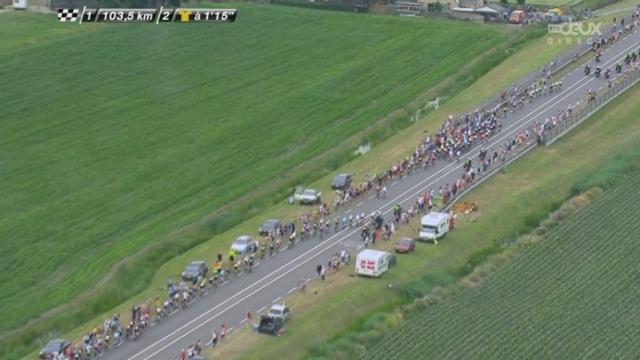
<point x="447" y="169"/>
<point x="291" y="290"/>
<point x="348" y="211"/>
<point x="372" y="196"/>
<point x="277" y="299"/>
<point x="393" y="183"/>
<point x="261" y="309"/>
<point x="360" y="203"/>
<point x="243" y="321"/>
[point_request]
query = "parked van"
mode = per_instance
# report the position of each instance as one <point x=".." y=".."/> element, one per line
<point x="433" y="226"/>
<point x="372" y="262"/>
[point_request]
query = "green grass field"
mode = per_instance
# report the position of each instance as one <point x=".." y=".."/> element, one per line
<point x="116" y="136"/>
<point x="511" y="204"/>
<point x="572" y="296"/>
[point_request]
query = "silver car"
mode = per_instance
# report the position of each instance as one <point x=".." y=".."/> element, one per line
<point x="279" y="311"/>
<point x="244" y="245"/>
<point x="310" y="196"/>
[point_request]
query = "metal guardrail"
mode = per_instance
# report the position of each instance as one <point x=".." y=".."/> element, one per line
<point x="517" y="153"/>
<point x="551" y="68"/>
<point x="584" y="110"/>
<point x="581" y="113"/>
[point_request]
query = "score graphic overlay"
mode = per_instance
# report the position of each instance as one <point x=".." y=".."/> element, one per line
<point x="161" y="15"/>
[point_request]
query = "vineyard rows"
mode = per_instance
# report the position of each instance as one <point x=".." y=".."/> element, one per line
<point x="573" y="296"/>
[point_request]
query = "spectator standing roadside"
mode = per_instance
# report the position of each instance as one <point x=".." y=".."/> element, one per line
<point x="214" y="338"/>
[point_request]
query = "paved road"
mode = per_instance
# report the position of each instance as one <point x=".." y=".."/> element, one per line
<point x="276" y="277"/>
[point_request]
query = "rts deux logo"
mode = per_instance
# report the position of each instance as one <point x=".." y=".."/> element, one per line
<point x="575" y="29"/>
<point x="573" y="32"/>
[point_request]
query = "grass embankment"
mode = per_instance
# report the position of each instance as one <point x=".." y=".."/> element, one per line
<point x="115" y="136"/>
<point x="568" y="294"/>
<point x="520" y="63"/>
<point x="340" y="318"/>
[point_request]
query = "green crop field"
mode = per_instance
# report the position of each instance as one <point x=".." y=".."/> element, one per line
<point x="572" y="296"/>
<point x="116" y="135"/>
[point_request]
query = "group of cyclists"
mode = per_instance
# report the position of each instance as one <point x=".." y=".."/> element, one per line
<point x="453" y="139"/>
<point x="598" y="45"/>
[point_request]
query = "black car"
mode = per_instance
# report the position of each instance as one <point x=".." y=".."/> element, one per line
<point x="270" y="325"/>
<point x="341" y="181"/>
<point x="269" y="226"/>
<point x="195" y="270"/>
<point x="53" y="348"/>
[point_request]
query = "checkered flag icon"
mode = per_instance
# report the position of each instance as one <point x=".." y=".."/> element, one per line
<point x="70" y="15"/>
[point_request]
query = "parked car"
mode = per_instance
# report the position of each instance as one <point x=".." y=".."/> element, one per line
<point x="310" y="196"/>
<point x="195" y="270"/>
<point x="341" y="181"/>
<point x="270" y="325"/>
<point x="268" y="227"/>
<point x="405" y="245"/>
<point x="54" y="347"/>
<point x="244" y="245"/>
<point x="279" y="311"/>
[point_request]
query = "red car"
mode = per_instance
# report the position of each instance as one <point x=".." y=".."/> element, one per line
<point x="405" y="245"/>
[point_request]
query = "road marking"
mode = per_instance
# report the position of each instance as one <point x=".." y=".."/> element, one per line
<point x="447" y="169"/>
<point x="348" y="211"/>
<point x="372" y="196"/>
<point x="276" y="299"/>
<point x="243" y="321"/>
<point x="393" y="183"/>
<point x="261" y="309"/>
<point x="360" y="203"/>
<point x="359" y="247"/>
<point x="291" y="290"/>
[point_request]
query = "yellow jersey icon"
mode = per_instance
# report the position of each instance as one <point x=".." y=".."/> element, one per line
<point x="184" y="15"/>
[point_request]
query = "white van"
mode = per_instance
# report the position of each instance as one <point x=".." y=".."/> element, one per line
<point x="433" y="226"/>
<point x="372" y="262"/>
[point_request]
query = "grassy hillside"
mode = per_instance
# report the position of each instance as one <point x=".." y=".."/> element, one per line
<point x="572" y="296"/>
<point x="113" y="136"/>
